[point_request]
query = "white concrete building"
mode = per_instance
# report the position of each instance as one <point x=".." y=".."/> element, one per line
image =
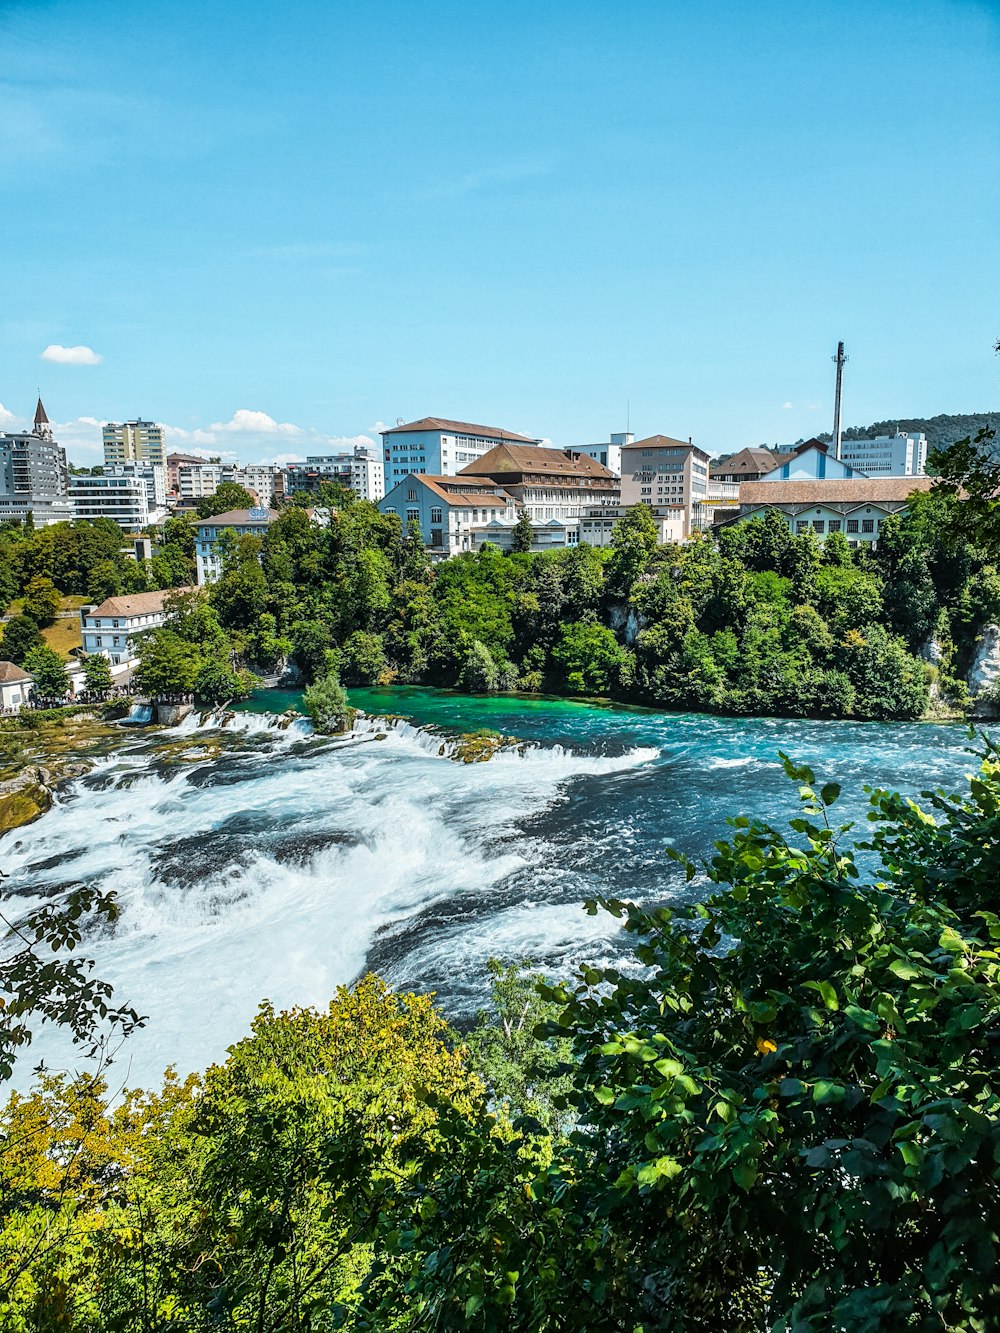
<point x="361" y="470"/>
<point x="437" y="447"/>
<point x="610" y="453"/>
<point x="899" y="455"/>
<point x="810" y="461"/>
<point x="15" y="687"/>
<point x="122" y="498"/>
<point x="451" y="511"/>
<point x="111" y="628"/>
<point x="665" y="473"/>
<point x="259" y="479"/>
<point x="153" y="477"/>
<point x="196" y="481"/>
<point x="597" y="525"/>
<point x="208" y="554"/>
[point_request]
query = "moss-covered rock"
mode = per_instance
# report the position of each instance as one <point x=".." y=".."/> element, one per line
<point x="23" y="805"/>
<point x="476" y="747"/>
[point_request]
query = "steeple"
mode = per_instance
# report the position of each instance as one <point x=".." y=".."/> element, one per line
<point x="42" y="427"/>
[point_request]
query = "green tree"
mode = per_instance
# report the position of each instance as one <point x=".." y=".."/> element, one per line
<point x="523" y="535"/>
<point x="326" y="703"/>
<point x="633" y="542"/>
<point x="97" y="673"/>
<point x="592" y="660"/>
<point x="41" y="601"/>
<point x="363" y="659"/>
<point x="49" y="672"/>
<point x="168" y="663"/>
<point x="228" y="495"/>
<point x="21" y="636"/>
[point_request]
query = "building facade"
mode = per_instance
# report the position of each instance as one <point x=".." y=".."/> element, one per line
<point x="549" y="484"/>
<point x="665" y="473"/>
<point x="174" y="461"/>
<point x="153" y="477"/>
<point x="597" y="525"/>
<point x="111" y="628"/>
<point x="15" y="687"/>
<point x="610" y="453"/>
<point x="133" y="442"/>
<point x="33" y="475"/>
<point x="855" y="506"/>
<point x="197" y="481"/>
<point x="899" y="455"/>
<point x="747" y="465"/>
<point x="436" y="446"/>
<point x="122" y="498"/>
<point x="261" y="480"/>
<point x="208" y="553"/>
<point x="451" y="511"/>
<point x="811" y="461"/>
<point x="361" y="470"/>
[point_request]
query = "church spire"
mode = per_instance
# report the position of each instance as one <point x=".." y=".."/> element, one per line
<point x="42" y="426"/>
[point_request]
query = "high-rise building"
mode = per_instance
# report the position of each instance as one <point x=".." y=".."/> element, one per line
<point x="153" y="477"/>
<point x="133" y="442"/>
<point x="672" y="474"/>
<point x="33" y="474"/>
<point x="360" y="471"/>
<point x="122" y="498"/>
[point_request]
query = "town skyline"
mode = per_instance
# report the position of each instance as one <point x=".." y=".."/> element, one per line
<point x="296" y="226"/>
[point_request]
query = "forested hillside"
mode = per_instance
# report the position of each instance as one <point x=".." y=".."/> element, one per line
<point x="941" y="430"/>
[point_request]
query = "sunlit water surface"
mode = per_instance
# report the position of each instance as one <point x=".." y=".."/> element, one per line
<point x="285" y="864"/>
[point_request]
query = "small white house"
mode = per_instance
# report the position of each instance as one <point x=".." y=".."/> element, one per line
<point x="111" y="627"/>
<point x="15" y="686"/>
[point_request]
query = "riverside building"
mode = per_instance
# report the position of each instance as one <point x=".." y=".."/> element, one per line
<point x="552" y="485"/>
<point x="856" y="506"/>
<point x="452" y="511"/>
<point x="112" y="627"/>
<point x="435" y="446"/>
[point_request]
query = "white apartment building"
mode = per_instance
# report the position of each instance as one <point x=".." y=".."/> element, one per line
<point x="900" y="455"/>
<point x="610" y="453"/>
<point x="196" y="481"/>
<point x="261" y="479"/>
<point x="122" y="498"/>
<point x="665" y="473"/>
<point x="361" y="470"/>
<point x="111" y="628"/>
<point x="438" y="447"/>
<point x="208" y="555"/>
<point x="152" y="476"/>
<point x="451" y="511"/>
<point x="597" y="525"/>
<point x="133" y="442"/>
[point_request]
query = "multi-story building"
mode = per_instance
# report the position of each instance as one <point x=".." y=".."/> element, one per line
<point x="747" y="465"/>
<point x="855" y="506"/>
<point x="260" y="479"/>
<point x="665" y="473"/>
<point x="610" y="452"/>
<point x="33" y="475"/>
<point x="153" y="477"/>
<point x="133" y="442"/>
<point x="451" y="511"/>
<point x="123" y="498"/>
<point x="440" y="448"/>
<point x="559" y="484"/>
<point x="112" y="627"/>
<point x="197" y="480"/>
<point x="597" y="525"/>
<point x="900" y="455"/>
<point x="208" y="554"/>
<point x="174" y="461"/>
<point x="361" y="471"/>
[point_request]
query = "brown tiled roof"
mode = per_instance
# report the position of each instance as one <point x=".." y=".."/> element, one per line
<point x="460" y="428"/>
<point x="747" y="460"/>
<point x="234" y="518"/>
<point x="504" y="459"/>
<point x="40" y="418"/>
<point x="451" y="495"/>
<point x="11" y="674"/>
<point x="847" y="490"/>
<point x="659" y="442"/>
<point x="137" y="604"/>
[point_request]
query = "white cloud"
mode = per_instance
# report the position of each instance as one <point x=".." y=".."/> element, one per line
<point x="245" y="420"/>
<point x="787" y="407"/>
<point x="5" y="416"/>
<point x="280" y="460"/>
<point x="72" y="356"/>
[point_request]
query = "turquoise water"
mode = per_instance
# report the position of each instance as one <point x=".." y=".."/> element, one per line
<point x="260" y="861"/>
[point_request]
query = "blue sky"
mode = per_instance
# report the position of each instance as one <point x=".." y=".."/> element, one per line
<point x="280" y="224"/>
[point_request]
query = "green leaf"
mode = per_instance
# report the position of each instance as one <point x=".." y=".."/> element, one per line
<point x="826" y="992"/>
<point x="829" y="793"/>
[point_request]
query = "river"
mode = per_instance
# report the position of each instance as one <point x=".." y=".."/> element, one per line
<point x="260" y="862"/>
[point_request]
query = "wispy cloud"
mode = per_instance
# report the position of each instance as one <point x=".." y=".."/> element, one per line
<point x="787" y="407"/>
<point x="72" y="356"/>
<point x="5" y="416"/>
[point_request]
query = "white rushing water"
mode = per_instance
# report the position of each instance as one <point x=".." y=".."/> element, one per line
<point x="278" y="868"/>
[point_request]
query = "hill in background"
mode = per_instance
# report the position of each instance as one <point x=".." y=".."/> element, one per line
<point x="940" y="431"/>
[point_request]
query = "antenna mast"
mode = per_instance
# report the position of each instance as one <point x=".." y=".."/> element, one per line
<point x="840" y="359"/>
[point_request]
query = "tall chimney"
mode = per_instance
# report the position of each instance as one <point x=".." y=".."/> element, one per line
<point x="840" y="358"/>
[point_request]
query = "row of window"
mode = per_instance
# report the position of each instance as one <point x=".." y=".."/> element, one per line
<point x="834" y="525"/>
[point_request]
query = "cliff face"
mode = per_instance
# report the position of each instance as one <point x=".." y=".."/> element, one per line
<point x="984" y="674"/>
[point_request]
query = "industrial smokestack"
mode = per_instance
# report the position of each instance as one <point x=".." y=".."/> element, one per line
<point x="840" y="358"/>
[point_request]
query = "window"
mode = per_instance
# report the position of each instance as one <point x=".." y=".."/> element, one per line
<point x="802" y="525"/>
<point x="436" y="514"/>
<point x="819" y="525"/>
<point x="852" y="525"/>
<point x="413" y="515"/>
<point x="411" y="495"/>
<point x="867" y="525"/>
<point x="834" y="524"/>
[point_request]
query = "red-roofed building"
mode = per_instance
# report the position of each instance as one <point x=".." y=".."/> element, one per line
<point x="438" y="447"/>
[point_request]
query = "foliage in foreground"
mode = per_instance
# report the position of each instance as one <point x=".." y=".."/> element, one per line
<point x="786" y="1118"/>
